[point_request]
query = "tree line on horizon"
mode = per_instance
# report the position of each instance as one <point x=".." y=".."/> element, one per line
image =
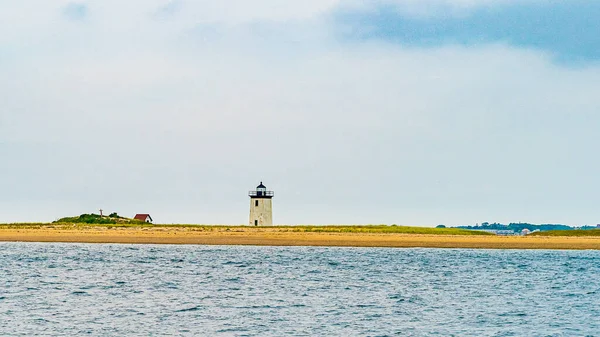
<point x="519" y="226"/>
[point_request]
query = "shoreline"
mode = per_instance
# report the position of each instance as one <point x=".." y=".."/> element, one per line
<point x="273" y="237"/>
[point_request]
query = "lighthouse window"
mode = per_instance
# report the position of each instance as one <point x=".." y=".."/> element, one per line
<point x="256" y="203"/>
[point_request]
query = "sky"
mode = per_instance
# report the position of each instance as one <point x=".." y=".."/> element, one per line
<point x="408" y="112"/>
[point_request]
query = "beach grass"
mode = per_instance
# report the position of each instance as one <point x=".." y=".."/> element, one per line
<point x="379" y="229"/>
<point x="573" y="233"/>
<point x="329" y="236"/>
<point x="66" y="225"/>
<point x="382" y="229"/>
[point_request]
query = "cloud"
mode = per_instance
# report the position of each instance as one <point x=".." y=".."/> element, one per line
<point x="565" y="29"/>
<point x="428" y="8"/>
<point x="181" y="117"/>
<point x="453" y="129"/>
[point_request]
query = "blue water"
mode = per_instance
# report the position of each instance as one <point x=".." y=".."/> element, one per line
<point x="158" y="290"/>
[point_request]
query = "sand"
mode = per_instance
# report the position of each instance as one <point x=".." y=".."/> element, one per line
<point x="273" y="237"/>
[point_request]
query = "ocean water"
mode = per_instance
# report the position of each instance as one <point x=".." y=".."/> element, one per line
<point x="170" y="290"/>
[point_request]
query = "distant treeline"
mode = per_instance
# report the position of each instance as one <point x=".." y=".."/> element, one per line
<point x="518" y="227"/>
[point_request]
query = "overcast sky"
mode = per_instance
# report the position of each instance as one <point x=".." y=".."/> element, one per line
<point x="409" y="112"/>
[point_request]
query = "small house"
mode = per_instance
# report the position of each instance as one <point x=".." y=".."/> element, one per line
<point x="143" y="217"/>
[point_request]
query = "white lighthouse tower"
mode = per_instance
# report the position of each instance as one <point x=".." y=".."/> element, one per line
<point x="261" y="209"/>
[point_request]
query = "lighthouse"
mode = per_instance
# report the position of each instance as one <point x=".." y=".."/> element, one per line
<point x="261" y="209"/>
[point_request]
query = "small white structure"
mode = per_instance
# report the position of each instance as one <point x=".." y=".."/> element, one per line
<point x="143" y="217"/>
<point x="525" y="231"/>
<point x="261" y="210"/>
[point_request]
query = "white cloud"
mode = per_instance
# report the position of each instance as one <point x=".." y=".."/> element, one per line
<point x="31" y="16"/>
<point x="135" y="113"/>
<point x="426" y="8"/>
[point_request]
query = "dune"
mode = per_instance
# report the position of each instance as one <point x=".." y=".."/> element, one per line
<point x="279" y="236"/>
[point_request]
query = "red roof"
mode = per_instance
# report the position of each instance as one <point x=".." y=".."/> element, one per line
<point x="142" y="217"/>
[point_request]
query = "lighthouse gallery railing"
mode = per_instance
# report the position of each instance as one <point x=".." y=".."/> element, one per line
<point x="261" y="193"/>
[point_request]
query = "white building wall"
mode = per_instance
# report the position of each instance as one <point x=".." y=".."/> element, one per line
<point x="261" y="212"/>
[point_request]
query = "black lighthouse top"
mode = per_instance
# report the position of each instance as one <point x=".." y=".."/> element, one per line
<point x="261" y="192"/>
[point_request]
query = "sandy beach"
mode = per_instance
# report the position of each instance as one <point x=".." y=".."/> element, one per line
<point x="278" y="237"/>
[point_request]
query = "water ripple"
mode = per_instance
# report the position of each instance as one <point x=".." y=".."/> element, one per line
<point x="135" y="290"/>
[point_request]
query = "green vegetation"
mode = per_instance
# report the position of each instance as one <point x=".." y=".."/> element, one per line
<point x="97" y="222"/>
<point x="88" y="219"/>
<point x="96" y="219"/>
<point x="25" y="225"/>
<point x="74" y="226"/>
<point x="518" y="227"/>
<point x="384" y="229"/>
<point x="576" y="232"/>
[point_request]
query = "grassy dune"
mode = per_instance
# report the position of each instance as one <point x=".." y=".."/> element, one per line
<point x="382" y="229"/>
<point x="329" y="236"/>
<point x="379" y="229"/>
<point x="575" y="233"/>
<point x="66" y="225"/>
